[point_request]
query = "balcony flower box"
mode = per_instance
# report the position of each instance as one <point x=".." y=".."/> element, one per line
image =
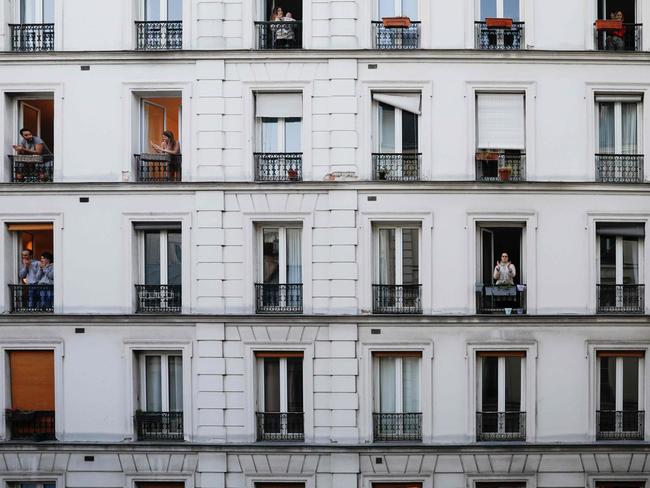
<point x="504" y="173"/>
<point x="607" y="24"/>
<point x="396" y="22"/>
<point x="487" y="156"/>
<point x="292" y="174"/>
<point x="497" y="23"/>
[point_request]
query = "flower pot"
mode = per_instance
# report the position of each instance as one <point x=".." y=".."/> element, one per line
<point x="396" y="22"/>
<point x="608" y="24"/>
<point x="487" y="156"/>
<point x="504" y="174"/>
<point x="292" y="174"/>
<point x="496" y="23"/>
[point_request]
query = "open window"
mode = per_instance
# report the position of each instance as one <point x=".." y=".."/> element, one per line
<point x="397" y="25"/>
<point x="161" y="27"/>
<point x="279" y="24"/>
<point x="617" y="27"/>
<point x="32" y="484"/>
<point x="499" y="25"/>
<point x="35" y="28"/>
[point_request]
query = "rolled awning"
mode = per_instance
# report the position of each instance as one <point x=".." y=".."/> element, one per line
<point x="411" y="102"/>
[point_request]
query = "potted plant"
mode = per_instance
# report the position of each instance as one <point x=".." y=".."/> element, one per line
<point x="504" y="173"/>
<point x="396" y="22"/>
<point x="498" y="23"/>
<point x="292" y="174"/>
<point x="487" y="155"/>
<point x="382" y="173"/>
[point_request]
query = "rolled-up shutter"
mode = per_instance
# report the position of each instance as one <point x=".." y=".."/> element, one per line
<point x="278" y="105"/>
<point x="397" y="485"/>
<point x="161" y="484"/>
<point x="411" y="102"/>
<point x="622" y="229"/>
<point x="500" y="121"/>
<point x="32" y="380"/>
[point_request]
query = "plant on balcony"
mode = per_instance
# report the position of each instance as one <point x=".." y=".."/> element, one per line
<point x="382" y="173"/>
<point x="608" y="24"/>
<point x="20" y="415"/>
<point x="487" y="155"/>
<point x="498" y="23"/>
<point x="396" y="22"/>
<point x="292" y="174"/>
<point x="504" y="173"/>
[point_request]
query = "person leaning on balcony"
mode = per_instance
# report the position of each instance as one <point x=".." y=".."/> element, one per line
<point x="46" y="277"/>
<point x="504" y="271"/>
<point x="279" y="32"/>
<point x="31" y="144"/>
<point x="616" y="39"/>
<point x="29" y="274"/>
<point x="168" y="145"/>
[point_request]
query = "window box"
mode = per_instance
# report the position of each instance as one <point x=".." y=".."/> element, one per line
<point x="497" y="23"/>
<point x="504" y="173"/>
<point x="607" y="24"/>
<point x="396" y="22"/>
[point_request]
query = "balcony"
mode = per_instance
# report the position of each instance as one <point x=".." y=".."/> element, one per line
<point x="396" y="299"/>
<point x="619" y="168"/>
<point x="500" y="299"/>
<point x="276" y="167"/>
<point x="33" y="425"/>
<point x="499" y="36"/>
<point x="500" y="165"/>
<point x="275" y="298"/>
<point x="607" y="41"/>
<point x="397" y="427"/>
<point x="627" y="425"/>
<point x="159" y="35"/>
<point x="29" y="38"/>
<point x="620" y="298"/>
<point x="280" y="426"/>
<point x="500" y="426"/>
<point x="32" y="298"/>
<point x="396" y="167"/>
<point x="387" y="36"/>
<point x="159" y="426"/>
<point x="158" y="168"/>
<point x="31" y="168"/>
<point x="158" y="298"/>
<point x="279" y="34"/>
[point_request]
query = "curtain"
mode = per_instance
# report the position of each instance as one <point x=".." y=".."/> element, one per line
<point x="629" y="132"/>
<point x="410" y="9"/>
<point x="174" y="258"/>
<point x="387" y="391"/>
<point x="153" y="386"/>
<point x="270" y="255"/>
<point x="175" y="372"/>
<point x="269" y="135"/>
<point x="386" y="128"/>
<point x="386" y="256"/>
<point x="513" y="384"/>
<point x="48" y="11"/>
<point x="294" y="385"/>
<point x="488" y="8"/>
<point x="500" y="121"/>
<point x="606" y="131"/>
<point x="608" y="383"/>
<point x="410" y="258"/>
<point x="630" y="261"/>
<point x="294" y="256"/>
<point x="292" y="129"/>
<point x="271" y="385"/>
<point x="630" y="384"/>
<point x="152" y="10"/>
<point x="511" y="9"/>
<point x="386" y="8"/>
<point x="27" y="11"/>
<point x="411" y="385"/>
<point x="152" y="258"/>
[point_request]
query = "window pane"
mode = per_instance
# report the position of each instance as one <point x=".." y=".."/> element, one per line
<point x="387" y="386"/>
<point x="409" y="132"/>
<point x="152" y="10"/>
<point x="608" y="260"/>
<point x="513" y="384"/>
<point x="269" y="135"/>
<point x="271" y="257"/>
<point x="511" y="9"/>
<point x="174" y="10"/>
<point x="606" y="132"/>
<point x="272" y="385"/>
<point x="630" y="384"/>
<point x="174" y="258"/>
<point x="490" y="379"/>
<point x="152" y="258"/>
<point x="410" y="9"/>
<point x="294" y="384"/>
<point x="27" y="11"/>
<point x="410" y="258"/>
<point x="294" y="256"/>
<point x="175" y="370"/>
<point x="292" y="129"/>
<point x="386" y="256"/>
<point x="629" y="123"/>
<point x="386" y="128"/>
<point x="630" y="261"/>
<point x="153" y="387"/>
<point x="48" y="11"/>
<point x="411" y="385"/>
<point x="386" y="8"/>
<point x="488" y="8"/>
<point x="608" y="383"/>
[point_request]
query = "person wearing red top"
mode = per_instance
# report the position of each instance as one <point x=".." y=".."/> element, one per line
<point x="616" y="38"/>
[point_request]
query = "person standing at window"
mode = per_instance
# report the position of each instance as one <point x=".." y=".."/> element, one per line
<point x="46" y="277"/>
<point x="168" y="145"/>
<point x="616" y="38"/>
<point x="504" y="271"/>
<point x="31" y="144"/>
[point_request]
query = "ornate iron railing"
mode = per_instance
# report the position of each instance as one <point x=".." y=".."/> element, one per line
<point x="500" y="299"/>
<point x="158" y="298"/>
<point x="158" y="168"/>
<point x="31" y="298"/>
<point x="278" y="166"/>
<point x="159" y="35"/>
<point x="402" y="299"/>
<point x="500" y="426"/>
<point x="35" y="425"/>
<point x="159" y="426"/>
<point x="279" y="34"/>
<point x="396" y="37"/>
<point x="620" y="298"/>
<point x="619" y="168"/>
<point x="500" y="166"/>
<point x="272" y="297"/>
<point x="396" y="167"/>
<point x="32" y="37"/>
<point x="631" y="40"/>
<point x="397" y="426"/>
<point x="280" y="426"/>
<point x="620" y="425"/>
<point x="31" y="168"/>
<point x="500" y="38"/>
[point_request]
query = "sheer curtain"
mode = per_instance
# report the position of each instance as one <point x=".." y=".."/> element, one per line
<point x="175" y="374"/>
<point x="153" y="386"/>
<point x="629" y="122"/>
<point x="387" y="387"/>
<point x="294" y="256"/>
<point x="630" y="261"/>
<point x="386" y="257"/>
<point x="606" y="131"/>
<point x="386" y="128"/>
<point x="411" y="385"/>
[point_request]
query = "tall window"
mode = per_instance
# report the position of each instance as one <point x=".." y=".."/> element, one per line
<point x="509" y="9"/>
<point x="619" y="124"/>
<point x="36" y="11"/>
<point x="280" y="269"/>
<point x="398" y="8"/>
<point x="155" y="10"/>
<point x="46" y="484"/>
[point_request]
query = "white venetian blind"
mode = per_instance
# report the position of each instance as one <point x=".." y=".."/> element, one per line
<point x="280" y="105"/>
<point x="500" y="121"/>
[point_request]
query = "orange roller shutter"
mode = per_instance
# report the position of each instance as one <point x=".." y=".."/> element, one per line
<point x="32" y="380"/>
<point x="31" y="226"/>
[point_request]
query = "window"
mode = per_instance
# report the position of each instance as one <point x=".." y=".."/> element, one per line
<point x="280" y="484"/>
<point x="626" y="36"/>
<point x="397" y="414"/>
<point x="508" y="9"/>
<point x="159" y="484"/>
<point x="501" y="405"/>
<point x="31" y="484"/>
<point x="36" y="11"/>
<point x="280" y="269"/>
<point x="500" y="484"/>
<point x="499" y="26"/>
<point x="620" y="414"/>
<point x="397" y="26"/>
<point x="160" y="396"/>
<point x="620" y="484"/>
<point x="163" y="10"/>
<point x="280" y="413"/>
<point x="397" y="485"/>
<point x="620" y="270"/>
<point x="162" y="25"/>
<point x="35" y="30"/>
<point x="279" y="26"/>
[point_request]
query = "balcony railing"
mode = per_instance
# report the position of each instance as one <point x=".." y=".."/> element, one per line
<point x="32" y="298"/>
<point x="159" y="426"/>
<point x="500" y="426"/>
<point x="276" y="298"/>
<point x="280" y="426"/>
<point x="395" y="37"/>
<point x="158" y="168"/>
<point x="501" y="299"/>
<point x="32" y="37"/>
<point x="278" y="166"/>
<point x="630" y="41"/>
<point x="26" y="168"/>
<point x="396" y="167"/>
<point x="619" y="168"/>
<point x="620" y="298"/>
<point x="159" y="35"/>
<point x="158" y="298"/>
<point x="278" y="34"/>
<point x="499" y="165"/>
<point x="397" y="426"/>
<point x="35" y="425"/>
<point x="500" y="38"/>
<point x="621" y="425"/>
<point x="402" y="299"/>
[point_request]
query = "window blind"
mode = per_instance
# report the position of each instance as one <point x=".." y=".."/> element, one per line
<point x="157" y="226"/>
<point x="280" y="105"/>
<point x="32" y="380"/>
<point x="622" y="229"/>
<point x="500" y="121"/>
<point x="620" y="354"/>
<point x="501" y="354"/>
<point x="621" y="97"/>
<point x="411" y="102"/>
<point x="279" y="354"/>
<point x="30" y="226"/>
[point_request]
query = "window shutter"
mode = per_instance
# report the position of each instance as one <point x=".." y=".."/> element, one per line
<point x="397" y="354"/>
<point x="411" y="102"/>
<point x="622" y="229"/>
<point x="30" y="226"/>
<point x="279" y="354"/>
<point x="620" y="354"/>
<point x="280" y="105"/>
<point x="501" y="354"/>
<point x="32" y="380"/>
<point x="500" y="121"/>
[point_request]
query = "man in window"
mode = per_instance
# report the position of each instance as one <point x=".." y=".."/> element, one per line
<point x="31" y="144"/>
<point x="29" y="274"/>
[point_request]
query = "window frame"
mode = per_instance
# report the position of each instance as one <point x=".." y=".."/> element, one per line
<point x="163" y="263"/>
<point x="281" y="140"/>
<point x="397" y="9"/>
<point x="399" y="376"/>
<point x="500" y="7"/>
<point x="501" y="386"/>
<point x="282" y="251"/>
<point x="619" y="259"/>
<point x="164" y="375"/>
<point x="618" y="121"/>
<point x="283" y="382"/>
<point x="164" y="14"/>
<point x="399" y="114"/>
<point x="398" y="227"/>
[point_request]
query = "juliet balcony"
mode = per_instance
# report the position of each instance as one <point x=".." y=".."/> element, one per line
<point x="500" y="426"/>
<point x="396" y="33"/>
<point x="158" y="298"/>
<point x="619" y="168"/>
<point x="500" y="165"/>
<point x="32" y="298"/>
<point x="280" y="426"/>
<point x="278" y="34"/>
<point x="33" y="425"/>
<point x="620" y="425"/>
<point x="389" y="427"/>
<point x="615" y="35"/>
<point x="278" y="298"/>
<point x="158" y="168"/>
<point x="278" y="167"/>
<point x="31" y="168"/>
<point x="499" y="35"/>
<point x="396" y="166"/>
<point x="396" y="299"/>
<point x="159" y="35"/>
<point x="29" y="38"/>
<point x="500" y="299"/>
<point x="158" y="426"/>
<point x="620" y="298"/>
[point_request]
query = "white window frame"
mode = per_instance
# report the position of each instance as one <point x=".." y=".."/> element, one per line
<point x="281" y="141"/>
<point x="397" y="9"/>
<point x="261" y="386"/>
<point x="10" y="480"/>
<point x="38" y="483"/>
<point x="163" y="10"/>
<point x="282" y="251"/>
<point x="618" y="124"/>
<point x="619" y="259"/>
<point x="641" y="477"/>
<point x="520" y="268"/>
<point x="474" y="480"/>
<point x="399" y="375"/>
<point x="163" y="264"/>
<point x="619" y="382"/>
<point x="164" y="375"/>
<point x="376" y="128"/>
<point x="501" y="386"/>
<point x="132" y="478"/>
<point x="500" y="10"/>
<point x="398" y="228"/>
<point x="38" y="11"/>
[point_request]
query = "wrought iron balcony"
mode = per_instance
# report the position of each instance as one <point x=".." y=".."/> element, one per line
<point x="158" y="298"/>
<point x="396" y="166"/>
<point x="500" y="426"/>
<point x="630" y="41"/>
<point x="32" y="37"/>
<point x="621" y="425"/>
<point x="396" y="37"/>
<point x="27" y="168"/>
<point x="276" y="298"/>
<point x="620" y="298"/>
<point x="32" y="298"/>
<point x="280" y="426"/>
<point x="500" y="165"/>
<point x="278" y="34"/>
<point x="500" y="299"/>
<point x="35" y="425"/>
<point x="159" y="35"/>
<point x="500" y="38"/>
<point x="159" y="426"/>
<point x="158" y="168"/>
<point x="278" y="166"/>
<point x="619" y="168"/>
<point x="402" y="299"/>
<point x="397" y="426"/>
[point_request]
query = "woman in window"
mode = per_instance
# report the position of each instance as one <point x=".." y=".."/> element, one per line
<point x="168" y="145"/>
<point x="616" y="38"/>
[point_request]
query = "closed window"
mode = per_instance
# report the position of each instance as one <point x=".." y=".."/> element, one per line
<point x="33" y="484"/>
<point x="36" y="11"/>
<point x="398" y="8"/>
<point x="163" y="10"/>
<point x="619" y="127"/>
<point x="509" y="9"/>
<point x="279" y="122"/>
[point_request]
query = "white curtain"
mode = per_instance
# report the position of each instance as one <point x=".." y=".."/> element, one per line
<point x="410" y="9"/>
<point x="27" y="11"/>
<point x="606" y="130"/>
<point x="411" y="385"/>
<point x="387" y="387"/>
<point x="386" y="257"/>
<point x="500" y="121"/>
<point x="629" y="132"/>
<point x="48" y="11"/>
<point x="153" y="386"/>
<point x="386" y="128"/>
<point x="270" y="135"/>
<point x="630" y="261"/>
<point x="175" y="384"/>
<point x="294" y="256"/>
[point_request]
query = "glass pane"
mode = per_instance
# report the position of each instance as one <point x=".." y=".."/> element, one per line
<point x="269" y="135"/>
<point x="152" y="258"/>
<point x="629" y="123"/>
<point x="490" y="380"/>
<point x="175" y="373"/>
<point x="511" y="9"/>
<point x="410" y="258"/>
<point x="174" y="263"/>
<point x="488" y="8"/>
<point x="48" y="11"/>
<point x="630" y="384"/>
<point x="630" y="261"/>
<point x="49" y="485"/>
<point x="386" y="8"/>
<point x="606" y="132"/>
<point x="294" y="259"/>
<point x="27" y="11"/>
<point x="271" y="256"/>
<point x="386" y="128"/>
<point x="409" y="132"/>
<point x="386" y="256"/>
<point x="174" y="10"/>
<point x="608" y="383"/>
<point x="411" y="385"/>
<point x="410" y="9"/>
<point x="153" y="386"/>
<point x="294" y="384"/>
<point x="292" y="129"/>
<point x="271" y="385"/>
<point x="608" y="260"/>
<point x="152" y="10"/>
<point x="387" y="386"/>
<point x="513" y="384"/>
